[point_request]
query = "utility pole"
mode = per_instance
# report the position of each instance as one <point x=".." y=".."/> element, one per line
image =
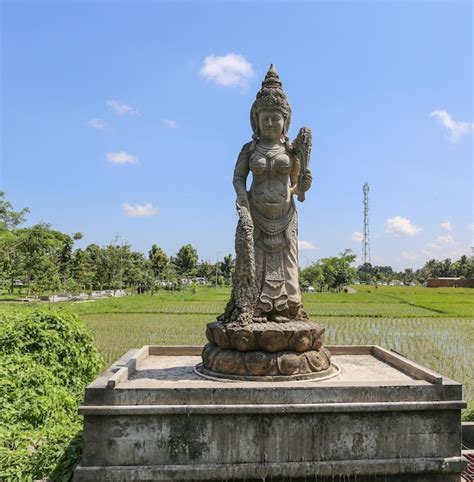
<point x="217" y="266"/>
<point x="119" y="242"/>
<point x="365" y="240"/>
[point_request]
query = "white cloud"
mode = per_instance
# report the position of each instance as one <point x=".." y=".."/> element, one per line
<point x="172" y="124"/>
<point x="307" y="246"/>
<point x="432" y="250"/>
<point x="140" y="210"/>
<point x="447" y="239"/>
<point x="410" y="255"/>
<point x="446" y="250"/>
<point x="121" y="158"/>
<point x="97" y="123"/>
<point x="357" y="236"/>
<point x="231" y="70"/>
<point x="120" y="108"/>
<point x="470" y="227"/>
<point x="399" y="227"/>
<point x="456" y="129"/>
<point x="458" y="252"/>
<point x="447" y="225"/>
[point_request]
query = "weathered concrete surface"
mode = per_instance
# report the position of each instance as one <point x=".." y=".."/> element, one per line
<point x="163" y="422"/>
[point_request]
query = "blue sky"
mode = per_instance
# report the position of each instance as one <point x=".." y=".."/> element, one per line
<point x="111" y="124"/>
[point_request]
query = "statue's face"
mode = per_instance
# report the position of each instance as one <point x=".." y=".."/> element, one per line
<point x="271" y="124"/>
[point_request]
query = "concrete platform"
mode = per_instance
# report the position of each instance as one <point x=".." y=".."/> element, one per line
<point x="383" y="417"/>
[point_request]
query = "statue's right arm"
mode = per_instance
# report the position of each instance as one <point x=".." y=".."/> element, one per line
<point x="241" y="173"/>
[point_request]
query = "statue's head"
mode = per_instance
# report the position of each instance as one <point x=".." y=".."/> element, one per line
<point x="271" y="107"/>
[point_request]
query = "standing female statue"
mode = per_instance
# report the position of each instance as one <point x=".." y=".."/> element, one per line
<point x="269" y="209"/>
<point x="264" y="333"/>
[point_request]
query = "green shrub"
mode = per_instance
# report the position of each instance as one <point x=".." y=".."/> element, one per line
<point x="35" y="454"/>
<point x="55" y="339"/>
<point x="47" y="359"/>
<point x="30" y="395"/>
<point x="468" y="416"/>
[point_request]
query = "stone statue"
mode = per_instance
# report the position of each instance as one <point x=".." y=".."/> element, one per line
<point x="264" y="331"/>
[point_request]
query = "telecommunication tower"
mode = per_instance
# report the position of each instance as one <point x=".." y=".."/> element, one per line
<point x="365" y="240"/>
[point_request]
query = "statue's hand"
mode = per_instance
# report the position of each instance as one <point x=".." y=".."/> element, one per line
<point x="306" y="181"/>
<point x="242" y="201"/>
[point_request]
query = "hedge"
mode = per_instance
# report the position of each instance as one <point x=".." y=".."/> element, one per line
<point x="47" y="358"/>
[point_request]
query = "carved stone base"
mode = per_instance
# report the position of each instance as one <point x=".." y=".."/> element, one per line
<point x="299" y="336"/>
<point x="268" y="351"/>
<point x="264" y="366"/>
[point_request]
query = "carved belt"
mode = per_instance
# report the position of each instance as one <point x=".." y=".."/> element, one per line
<point x="270" y="226"/>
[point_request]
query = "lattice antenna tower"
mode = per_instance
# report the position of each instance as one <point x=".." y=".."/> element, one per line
<point x="365" y="239"/>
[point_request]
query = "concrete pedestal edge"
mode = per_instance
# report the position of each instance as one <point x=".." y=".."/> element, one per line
<point x="454" y="465"/>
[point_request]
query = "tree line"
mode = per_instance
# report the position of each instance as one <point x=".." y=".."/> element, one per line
<point x="334" y="272"/>
<point x="461" y="268"/>
<point x="43" y="260"/>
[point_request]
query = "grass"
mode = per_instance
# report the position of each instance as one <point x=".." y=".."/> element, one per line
<point x="433" y="326"/>
<point x="379" y="310"/>
<point x="380" y="301"/>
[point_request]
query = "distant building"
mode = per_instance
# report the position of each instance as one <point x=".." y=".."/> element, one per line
<point x="196" y="280"/>
<point x="449" y="283"/>
<point x="396" y="282"/>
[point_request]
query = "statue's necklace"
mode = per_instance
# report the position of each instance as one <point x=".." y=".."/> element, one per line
<point x="270" y="153"/>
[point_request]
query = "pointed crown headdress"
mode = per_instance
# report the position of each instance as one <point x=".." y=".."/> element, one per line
<point x="270" y="97"/>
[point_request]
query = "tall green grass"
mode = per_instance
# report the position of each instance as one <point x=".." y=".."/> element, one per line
<point x="442" y="344"/>
<point x="433" y="326"/>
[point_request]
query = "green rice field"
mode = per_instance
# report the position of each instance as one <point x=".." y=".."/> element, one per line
<point x="433" y="326"/>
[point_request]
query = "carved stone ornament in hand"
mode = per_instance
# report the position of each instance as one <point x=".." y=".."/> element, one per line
<point x="306" y="181"/>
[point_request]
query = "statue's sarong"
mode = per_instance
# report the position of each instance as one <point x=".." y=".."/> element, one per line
<point x="276" y="263"/>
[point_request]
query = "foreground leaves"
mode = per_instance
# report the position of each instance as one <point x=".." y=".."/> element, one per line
<point x="47" y="359"/>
